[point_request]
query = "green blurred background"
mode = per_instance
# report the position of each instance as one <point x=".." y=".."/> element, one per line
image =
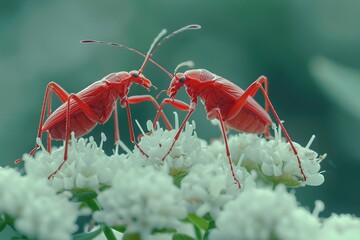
<point x="309" y="50"/>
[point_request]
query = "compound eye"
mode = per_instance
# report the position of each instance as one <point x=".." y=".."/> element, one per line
<point x="135" y="75"/>
<point x="182" y="79"/>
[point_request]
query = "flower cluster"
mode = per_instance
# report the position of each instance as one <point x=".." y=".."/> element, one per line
<point x="274" y="158"/>
<point x="32" y="207"/>
<point x="248" y="217"/>
<point x="87" y="165"/>
<point x="261" y="213"/>
<point x="193" y="186"/>
<point x="143" y="200"/>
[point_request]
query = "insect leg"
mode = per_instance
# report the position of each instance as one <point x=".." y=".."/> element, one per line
<point x="251" y="91"/>
<point x="175" y="103"/>
<point x="89" y="112"/>
<point x="143" y="98"/>
<point x="216" y="112"/>
<point x="190" y="108"/>
<point x="63" y="95"/>
<point x="131" y="128"/>
<point x="116" y="125"/>
<point x="118" y="142"/>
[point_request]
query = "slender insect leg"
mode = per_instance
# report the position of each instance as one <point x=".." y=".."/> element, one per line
<point x="191" y="109"/>
<point x="63" y="96"/>
<point x="136" y="100"/>
<point x="251" y="91"/>
<point x="131" y="128"/>
<point x="116" y="125"/>
<point x="215" y="113"/>
<point x="169" y="101"/>
<point x="143" y="98"/>
<point x="89" y="112"/>
<point x="118" y="142"/>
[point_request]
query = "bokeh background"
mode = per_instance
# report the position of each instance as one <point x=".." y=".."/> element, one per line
<point x="309" y="50"/>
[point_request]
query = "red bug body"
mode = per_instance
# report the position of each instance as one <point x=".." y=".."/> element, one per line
<point x="100" y="97"/>
<point x="223" y="100"/>
<point x="217" y="92"/>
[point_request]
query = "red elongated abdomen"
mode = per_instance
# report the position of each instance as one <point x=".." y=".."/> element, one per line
<point x="80" y="124"/>
<point x="99" y="97"/>
<point x="248" y="121"/>
<point x="224" y="95"/>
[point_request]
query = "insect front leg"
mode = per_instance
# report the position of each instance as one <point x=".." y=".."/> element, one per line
<point x="136" y="100"/>
<point x="149" y="98"/>
<point x="52" y="87"/>
<point x="251" y="91"/>
<point x="131" y="128"/>
<point x="118" y="142"/>
<point x="170" y="101"/>
<point x="179" y="105"/>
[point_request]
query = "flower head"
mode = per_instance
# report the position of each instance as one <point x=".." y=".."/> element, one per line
<point x="37" y="210"/>
<point x="208" y="187"/>
<point x="275" y="159"/>
<point x="187" y="151"/>
<point x="87" y="165"/>
<point x="343" y="226"/>
<point x="142" y="199"/>
<point x="265" y="214"/>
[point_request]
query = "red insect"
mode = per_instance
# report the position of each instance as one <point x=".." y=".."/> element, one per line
<point x="232" y="106"/>
<point x="81" y="112"/>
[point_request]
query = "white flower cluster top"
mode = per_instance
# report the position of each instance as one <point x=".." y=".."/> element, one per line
<point x="193" y="185"/>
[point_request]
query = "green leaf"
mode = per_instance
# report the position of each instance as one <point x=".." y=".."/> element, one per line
<point x="83" y="195"/>
<point x="198" y="221"/>
<point x="93" y="205"/>
<point x="164" y="230"/>
<point x="178" y="176"/>
<point x="87" y="236"/>
<point x="121" y="229"/>
<point x="132" y="236"/>
<point x="181" y="236"/>
<point x="211" y="226"/>
<point x="103" y="187"/>
<point x="3" y="224"/>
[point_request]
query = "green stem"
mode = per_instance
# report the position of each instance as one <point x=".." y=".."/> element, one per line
<point x="109" y="234"/>
<point x="197" y="232"/>
<point x="94" y="206"/>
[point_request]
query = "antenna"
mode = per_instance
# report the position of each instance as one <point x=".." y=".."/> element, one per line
<point x="189" y="64"/>
<point x="128" y="48"/>
<point x="153" y="49"/>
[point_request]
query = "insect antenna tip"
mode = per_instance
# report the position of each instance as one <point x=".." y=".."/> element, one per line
<point x="87" y="41"/>
<point x="194" y="26"/>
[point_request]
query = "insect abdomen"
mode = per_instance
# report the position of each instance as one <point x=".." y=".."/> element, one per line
<point x="247" y="121"/>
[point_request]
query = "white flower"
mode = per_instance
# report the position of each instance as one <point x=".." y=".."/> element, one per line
<point x="344" y="226"/>
<point x="275" y="157"/>
<point x="38" y="211"/>
<point x="265" y="214"/>
<point x="142" y="199"/>
<point x="87" y="165"/>
<point x="207" y="187"/>
<point x="187" y="151"/>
